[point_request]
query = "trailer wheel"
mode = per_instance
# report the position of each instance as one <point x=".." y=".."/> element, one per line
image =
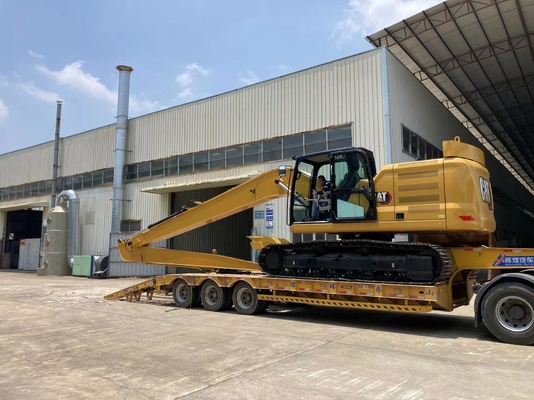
<point x="214" y="297"/>
<point x="508" y="312"/>
<point x="246" y="300"/>
<point x="184" y="294"/>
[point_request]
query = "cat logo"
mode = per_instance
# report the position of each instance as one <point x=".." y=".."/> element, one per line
<point x="383" y="198"/>
<point x="485" y="192"/>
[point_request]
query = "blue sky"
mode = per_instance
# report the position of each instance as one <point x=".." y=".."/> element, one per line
<point x="180" y="51"/>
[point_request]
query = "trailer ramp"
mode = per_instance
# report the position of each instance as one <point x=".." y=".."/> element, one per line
<point x="134" y="292"/>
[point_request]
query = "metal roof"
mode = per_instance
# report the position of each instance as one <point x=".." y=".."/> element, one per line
<point x="477" y="58"/>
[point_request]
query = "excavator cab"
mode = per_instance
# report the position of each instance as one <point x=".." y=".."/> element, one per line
<point x="350" y="194"/>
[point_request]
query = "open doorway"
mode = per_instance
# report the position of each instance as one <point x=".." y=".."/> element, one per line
<point x="20" y="224"/>
<point x="227" y="236"/>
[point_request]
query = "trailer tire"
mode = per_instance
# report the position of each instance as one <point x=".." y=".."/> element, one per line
<point x="246" y="300"/>
<point x="508" y="313"/>
<point x="214" y="297"/>
<point x="184" y="294"/>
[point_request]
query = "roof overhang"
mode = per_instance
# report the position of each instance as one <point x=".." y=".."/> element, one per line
<point x="24" y="206"/>
<point x="170" y="187"/>
<point x="477" y="58"/>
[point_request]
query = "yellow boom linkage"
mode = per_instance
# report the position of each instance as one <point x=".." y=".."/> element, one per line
<point x="267" y="186"/>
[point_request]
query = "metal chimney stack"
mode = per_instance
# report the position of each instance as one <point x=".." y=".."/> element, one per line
<point x="120" y="146"/>
<point x="56" y="157"/>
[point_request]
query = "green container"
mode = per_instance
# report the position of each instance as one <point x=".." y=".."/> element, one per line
<point x="83" y="266"/>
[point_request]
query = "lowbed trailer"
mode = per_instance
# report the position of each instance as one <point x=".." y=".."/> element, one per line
<point x="503" y="304"/>
<point x="444" y="207"/>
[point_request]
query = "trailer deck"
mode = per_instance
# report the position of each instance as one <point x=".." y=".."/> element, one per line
<point x="363" y="295"/>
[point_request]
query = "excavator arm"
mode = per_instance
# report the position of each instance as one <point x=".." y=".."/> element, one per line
<point x="267" y="186"/>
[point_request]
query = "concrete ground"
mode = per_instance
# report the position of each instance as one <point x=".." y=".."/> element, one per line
<point x="59" y="339"/>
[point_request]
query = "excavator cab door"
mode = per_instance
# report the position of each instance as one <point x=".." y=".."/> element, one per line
<point x="353" y="192"/>
<point x="351" y="197"/>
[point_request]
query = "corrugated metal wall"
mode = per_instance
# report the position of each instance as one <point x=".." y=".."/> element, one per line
<point x="331" y="94"/>
<point x="28" y="165"/>
<point x="95" y="220"/>
<point x="414" y="106"/>
<point x="86" y="152"/>
<point x="120" y="268"/>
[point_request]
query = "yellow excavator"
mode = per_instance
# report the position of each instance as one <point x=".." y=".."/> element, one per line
<point x="407" y="238"/>
<point x="441" y="201"/>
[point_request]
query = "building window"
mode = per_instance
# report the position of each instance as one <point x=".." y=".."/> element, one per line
<point x="77" y="182"/>
<point x="200" y="161"/>
<point x="272" y="150"/>
<point x="97" y="178"/>
<point x="315" y="141"/>
<point x="48" y="185"/>
<point x="130" y="225"/>
<point x="108" y="176"/>
<point x="143" y="170"/>
<point x="217" y="159"/>
<point x="35" y="189"/>
<point x="339" y="137"/>
<point x="253" y="153"/>
<point x="171" y="166"/>
<point x="234" y="156"/>
<point x="417" y="147"/>
<point x="186" y="164"/>
<point x="87" y="181"/>
<point x="131" y="173"/>
<point x="42" y="188"/>
<point x="156" y="169"/>
<point x="292" y="145"/>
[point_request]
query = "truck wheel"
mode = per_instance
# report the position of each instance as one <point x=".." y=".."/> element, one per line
<point x="184" y="294"/>
<point x="508" y="312"/>
<point x="246" y="300"/>
<point x="214" y="297"/>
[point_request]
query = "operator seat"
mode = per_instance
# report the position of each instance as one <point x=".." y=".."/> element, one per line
<point x="358" y="198"/>
<point x="349" y="181"/>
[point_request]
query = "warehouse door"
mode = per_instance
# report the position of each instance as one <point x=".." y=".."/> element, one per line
<point x="228" y="236"/>
<point x="22" y="224"/>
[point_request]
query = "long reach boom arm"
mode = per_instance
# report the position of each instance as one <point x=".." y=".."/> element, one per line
<point x="136" y="248"/>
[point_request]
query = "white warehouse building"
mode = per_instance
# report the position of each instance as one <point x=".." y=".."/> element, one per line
<point x="197" y="150"/>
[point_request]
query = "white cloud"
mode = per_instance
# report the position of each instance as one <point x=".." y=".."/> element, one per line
<point x="250" y="78"/>
<point x="187" y="78"/>
<point x="186" y="94"/>
<point x="74" y="77"/>
<point x="191" y="71"/>
<point x="4" y="111"/>
<point x="365" y="17"/>
<point x="36" y="55"/>
<point x="3" y="81"/>
<point x="32" y="90"/>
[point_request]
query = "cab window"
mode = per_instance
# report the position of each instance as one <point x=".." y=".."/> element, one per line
<point x="351" y="176"/>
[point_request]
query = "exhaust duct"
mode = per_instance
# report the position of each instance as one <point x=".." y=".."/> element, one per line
<point x="120" y="146"/>
<point x="73" y="230"/>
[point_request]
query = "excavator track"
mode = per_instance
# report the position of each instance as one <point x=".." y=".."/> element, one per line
<point x="361" y="260"/>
